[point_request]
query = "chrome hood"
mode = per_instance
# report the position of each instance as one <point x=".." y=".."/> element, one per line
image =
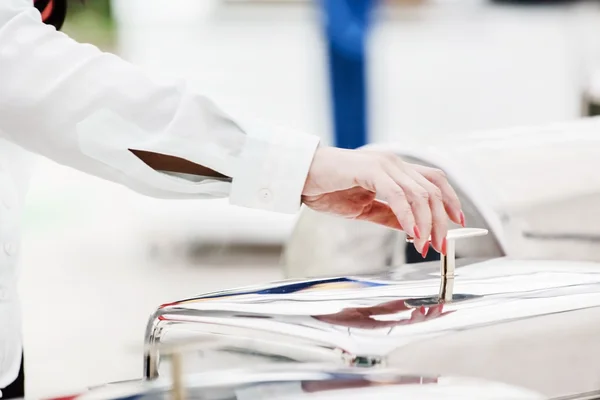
<point x="532" y="324"/>
<point x="310" y="382"/>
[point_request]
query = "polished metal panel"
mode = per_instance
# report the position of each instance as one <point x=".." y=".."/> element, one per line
<point x="312" y="382"/>
<point x="533" y="324"/>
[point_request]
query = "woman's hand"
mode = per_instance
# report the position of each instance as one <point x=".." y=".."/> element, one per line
<point x="415" y="199"/>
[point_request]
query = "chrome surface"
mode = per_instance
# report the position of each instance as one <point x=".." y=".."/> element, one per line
<point x="532" y="324"/>
<point x="312" y="382"/>
<point x="448" y="260"/>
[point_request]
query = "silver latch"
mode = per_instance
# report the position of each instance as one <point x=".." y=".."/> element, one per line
<point x="448" y="261"/>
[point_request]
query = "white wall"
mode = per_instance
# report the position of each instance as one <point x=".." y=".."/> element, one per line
<point x="471" y="66"/>
<point x="441" y="67"/>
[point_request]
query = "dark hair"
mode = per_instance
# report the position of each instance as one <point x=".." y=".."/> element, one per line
<point x="53" y="12"/>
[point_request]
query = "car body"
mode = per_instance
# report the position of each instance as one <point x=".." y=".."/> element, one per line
<point x="308" y="382"/>
<point x="526" y="323"/>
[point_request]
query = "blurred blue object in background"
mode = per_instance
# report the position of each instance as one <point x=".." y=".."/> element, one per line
<point x="346" y="27"/>
<point x="347" y="24"/>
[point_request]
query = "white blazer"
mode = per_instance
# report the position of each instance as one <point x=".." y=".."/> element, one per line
<point x="85" y="109"/>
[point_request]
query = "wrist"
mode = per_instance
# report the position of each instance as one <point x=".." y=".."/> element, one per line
<point x="314" y="171"/>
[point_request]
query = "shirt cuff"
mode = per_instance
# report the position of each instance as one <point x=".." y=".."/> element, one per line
<point x="272" y="169"/>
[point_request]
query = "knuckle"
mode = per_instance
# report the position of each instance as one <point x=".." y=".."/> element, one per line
<point x="381" y="161"/>
<point x="423" y="194"/>
<point x="386" y="159"/>
<point x="397" y="193"/>
<point x="438" y="175"/>
<point x="419" y="195"/>
<point x="385" y="164"/>
<point x="436" y="194"/>
<point x="390" y="156"/>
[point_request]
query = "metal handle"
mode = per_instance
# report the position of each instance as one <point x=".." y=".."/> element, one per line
<point x="448" y="261"/>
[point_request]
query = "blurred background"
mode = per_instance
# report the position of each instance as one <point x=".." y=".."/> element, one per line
<point x="98" y="259"/>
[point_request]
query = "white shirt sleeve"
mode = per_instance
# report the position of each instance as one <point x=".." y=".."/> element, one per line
<point x="86" y="109"/>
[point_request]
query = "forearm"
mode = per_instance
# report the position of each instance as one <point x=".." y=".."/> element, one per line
<point x="95" y="112"/>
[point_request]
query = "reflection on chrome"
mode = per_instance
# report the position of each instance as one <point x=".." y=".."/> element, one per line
<point x="531" y="324"/>
<point x="314" y="382"/>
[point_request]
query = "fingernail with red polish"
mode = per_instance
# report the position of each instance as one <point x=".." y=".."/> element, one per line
<point x="425" y="250"/>
<point x="462" y="219"/>
<point x="444" y="244"/>
<point x="417" y="233"/>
